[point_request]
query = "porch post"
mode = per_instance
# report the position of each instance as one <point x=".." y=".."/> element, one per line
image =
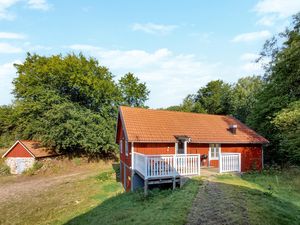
<point x="199" y="164"/>
<point x="220" y="162"/>
<point x="146" y="167"/>
<point x="132" y="166"/>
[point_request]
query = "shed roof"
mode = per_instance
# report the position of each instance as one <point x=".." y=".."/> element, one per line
<point x="35" y="148"/>
<point x="149" y="125"/>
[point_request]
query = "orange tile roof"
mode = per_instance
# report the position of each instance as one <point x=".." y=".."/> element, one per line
<point x="150" y="125"/>
<point x="37" y="149"/>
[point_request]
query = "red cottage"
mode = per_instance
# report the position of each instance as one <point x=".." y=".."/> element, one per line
<point x="158" y="146"/>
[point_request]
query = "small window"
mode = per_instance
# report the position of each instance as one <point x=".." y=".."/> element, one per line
<point x="214" y="151"/>
<point x="121" y="146"/>
<point x="126" y="147"/>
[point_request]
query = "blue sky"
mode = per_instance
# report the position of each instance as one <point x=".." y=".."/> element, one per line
<point x="174" y="46"/>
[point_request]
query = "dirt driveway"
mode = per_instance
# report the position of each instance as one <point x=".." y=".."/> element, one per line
<point x="18" y="187"/>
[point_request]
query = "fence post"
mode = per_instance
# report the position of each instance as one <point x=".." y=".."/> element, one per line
<point x="174" y="165"/>
<point x="146" y="166"/>
<point x="199" y="164"/>
<point x="239" y="162"/>
<point x="220" y="162"/>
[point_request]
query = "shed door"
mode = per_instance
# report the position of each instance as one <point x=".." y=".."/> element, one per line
<point x="20" y="165"/>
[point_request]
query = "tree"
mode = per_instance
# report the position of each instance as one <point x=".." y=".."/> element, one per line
<point x="287" y="121"/>
<point x="188" y="105"/>
<point x="244" y="96"/>
<point x="215" y="97"/>
<point x="281" y="89"/>
<point x="68" y="102"/>
<point x="133" y="92"/>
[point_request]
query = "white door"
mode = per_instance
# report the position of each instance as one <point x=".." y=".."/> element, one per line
<point x="20" y="166"/>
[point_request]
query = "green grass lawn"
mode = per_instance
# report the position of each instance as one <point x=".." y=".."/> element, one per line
<point x="261" y="198"/>
<point x="100" y="200"/>
<point x="271" y="197"/>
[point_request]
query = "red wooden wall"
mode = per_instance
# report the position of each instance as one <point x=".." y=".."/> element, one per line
<point x="19" y="151"/>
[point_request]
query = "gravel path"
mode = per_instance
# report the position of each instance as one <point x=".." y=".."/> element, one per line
<point x="213" y="205"/>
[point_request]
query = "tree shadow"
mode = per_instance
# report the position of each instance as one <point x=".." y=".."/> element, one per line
<point x="218" y="202"/>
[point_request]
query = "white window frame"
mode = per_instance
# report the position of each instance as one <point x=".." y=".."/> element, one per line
<point x="121" y="146"/>
<point x="126" y="147"/>
<point x="213" y="148"/>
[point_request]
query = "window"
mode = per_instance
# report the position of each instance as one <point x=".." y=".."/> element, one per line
<point x="214" y="151"/>
<point x="121" y="146"/>
<point x="126" y="147"/>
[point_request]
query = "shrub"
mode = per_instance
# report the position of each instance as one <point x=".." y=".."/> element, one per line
<point x="36" y="166"/>
<point x="4" y="169"/>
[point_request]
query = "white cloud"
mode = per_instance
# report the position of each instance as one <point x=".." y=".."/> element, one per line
<point x="252" y="36"/>
<point x="267" y="20"/>
<point x="9" y="49"/>
<point x="38" y="4"/>
<point x="153" y="28"/>
<point x="4" y="6"/>
<point x="169" y="76"/>
<point x="276" y="12"/>
<point x="7" y="74"/>
<point x="281" y="8"/>
<point x="249" y="57"/>
<point x="8" y="35"/>
<point x="250" y="66"/>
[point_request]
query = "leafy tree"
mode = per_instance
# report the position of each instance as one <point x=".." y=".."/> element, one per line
<point x="215" y="97"/>
<point x="282" y="86"/>
<point x="244" y="96"/>
<point x="287" y="121"/>
<point x="133" y="92"/>
<point x="188" y="105"/>
<point x="67" y="102"/>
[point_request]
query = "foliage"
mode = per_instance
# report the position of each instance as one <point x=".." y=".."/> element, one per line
<point x="69" y="103"/>
<point x="133" y="92"/>
<point x="188" y="105"/>
<point x="4" y="169"/>
<point x="215" y="97"/>
<point x="281" y="89"/>
<point x="287" y="121"/>
<point x="32" y="170"/>
<point x="243" y="96"/>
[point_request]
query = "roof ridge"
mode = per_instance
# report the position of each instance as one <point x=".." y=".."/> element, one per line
<point x="165" y="110"/>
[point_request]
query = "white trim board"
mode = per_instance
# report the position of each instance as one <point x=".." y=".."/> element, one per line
<point x="18" y="142"/>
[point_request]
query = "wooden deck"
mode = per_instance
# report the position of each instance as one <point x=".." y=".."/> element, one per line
<point x="159" y="169"/>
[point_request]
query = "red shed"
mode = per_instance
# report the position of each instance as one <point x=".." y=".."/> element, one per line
<point x="22" y="155"/>
<point x="159" y="145"/>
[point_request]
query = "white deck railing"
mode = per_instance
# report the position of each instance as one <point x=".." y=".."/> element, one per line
<point x="151" y="166"/>
<point x="229" y="162"/>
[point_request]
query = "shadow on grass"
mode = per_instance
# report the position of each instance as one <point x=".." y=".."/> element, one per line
<point x="218" y="202"/>
<point x="159" y="207"/>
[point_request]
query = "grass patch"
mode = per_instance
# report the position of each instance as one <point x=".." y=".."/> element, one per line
<point x="4" y="169"/>
<point x="34" y="169"/>
<point x="99" y="200"/>
<point x="270" y="197"/>
<point x="159" y="207"/>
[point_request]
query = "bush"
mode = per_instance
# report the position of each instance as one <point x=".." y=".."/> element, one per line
<point x="4" y="169"/>
<point x="36" y="166"/>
